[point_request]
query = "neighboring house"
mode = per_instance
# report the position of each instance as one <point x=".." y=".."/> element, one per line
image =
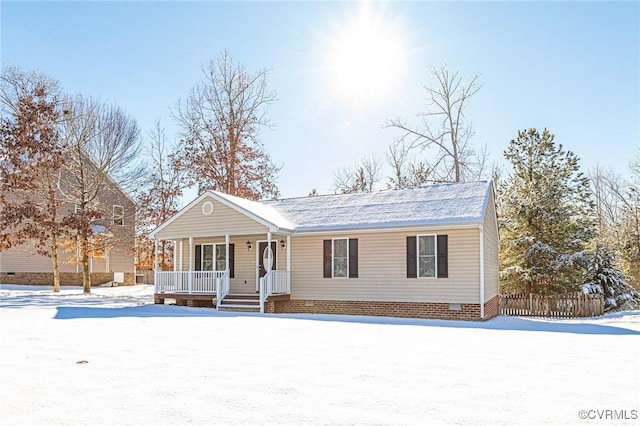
<point x="428" y="252"/>
<point x="23" y="265"/>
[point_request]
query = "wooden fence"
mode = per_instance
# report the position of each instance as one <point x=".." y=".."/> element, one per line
<point x="562" y="305"/>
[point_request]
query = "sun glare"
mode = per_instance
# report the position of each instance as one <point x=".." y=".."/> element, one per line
<point x="366" y="59"/>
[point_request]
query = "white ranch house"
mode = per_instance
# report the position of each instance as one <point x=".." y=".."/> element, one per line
<point x="428" y="252"/>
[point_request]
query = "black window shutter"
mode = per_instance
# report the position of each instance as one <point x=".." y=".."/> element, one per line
<point x="231" y="260"/>
<point x="198" y="265"/>
<point x="412" y="259"/>
<point x="326" y="256"/>
<point x="443" y="256"/>
<point x="353" y="258"/>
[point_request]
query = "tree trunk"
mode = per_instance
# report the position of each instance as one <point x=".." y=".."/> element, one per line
<point x="86" y="277"/>
<point x="56" y="266"/>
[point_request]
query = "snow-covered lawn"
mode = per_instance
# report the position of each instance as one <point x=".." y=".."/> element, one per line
<point x="114" y="358"/>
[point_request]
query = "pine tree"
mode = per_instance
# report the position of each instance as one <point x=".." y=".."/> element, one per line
<point x="546" y="216"/>
<point x="604" y="277"/>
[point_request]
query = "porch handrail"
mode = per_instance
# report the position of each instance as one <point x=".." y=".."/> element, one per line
<point x="223" y="288"/>
<point x="278" y="282"/>
<point x="274" y="282"/>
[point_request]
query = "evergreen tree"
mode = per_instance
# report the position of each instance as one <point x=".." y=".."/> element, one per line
<point x="603" y="277"/>
<point x="546" y="216"/>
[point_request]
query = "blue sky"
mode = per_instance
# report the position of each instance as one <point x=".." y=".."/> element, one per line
<point x="572" y="67"/>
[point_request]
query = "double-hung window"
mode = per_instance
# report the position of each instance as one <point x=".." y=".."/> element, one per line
<point x="427" y="256"/>
<point x="213" y="257"/>
<point x="340" y="258"/>
<point x="118" y="215"/>
<point x="221" y="257"/>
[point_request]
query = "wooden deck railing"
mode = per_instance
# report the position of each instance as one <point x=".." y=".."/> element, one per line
<point x="563" y="305"/>
<point x="274" y="282"/>
<point x="189" y="281"/>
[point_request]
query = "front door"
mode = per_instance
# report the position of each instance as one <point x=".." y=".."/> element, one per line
<point x="263" y="259"/>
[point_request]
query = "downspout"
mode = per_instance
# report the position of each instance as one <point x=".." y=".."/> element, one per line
<point x="481" y="272"/>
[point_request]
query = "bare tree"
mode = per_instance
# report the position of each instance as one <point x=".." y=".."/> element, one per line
<point x="443" y="131"/>
<point x="407" y="173"/>
<point x="157" y="198"/>
<point x="30" y="159"/>
<point x="361" y="177"/>
<point x="221" y="121"/>
<point x="102" y="145"/>
<point x="617" y="205"/>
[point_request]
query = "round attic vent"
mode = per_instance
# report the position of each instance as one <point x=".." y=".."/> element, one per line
<point x="207" y="208"/>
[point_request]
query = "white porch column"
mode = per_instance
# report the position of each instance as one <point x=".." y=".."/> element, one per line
<point x="155" y="264"/>
<point x="226" y="242"/>
<point x="269" y="261"/>
<point x="288" y="252"/>
<point x="181" y="254"/>
<point x="190" y="264"/>
<point x="175" y="256"/>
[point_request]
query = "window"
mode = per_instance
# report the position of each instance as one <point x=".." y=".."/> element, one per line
<point x="427" y="256"/>
<point x="221" y="257"/>
<point x="206" y="262"/>
<point x="118" y="215"/>
<point x="340" y="258"/>
<point x="213" y="257"/>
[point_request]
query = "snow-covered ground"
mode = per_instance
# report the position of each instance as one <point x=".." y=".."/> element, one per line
<point x="114" y="358"/>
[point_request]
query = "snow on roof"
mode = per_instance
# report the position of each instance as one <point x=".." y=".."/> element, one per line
<point x="446" y="204"/>
<point x="261" y="210"/>
<point x="427" y="205"/>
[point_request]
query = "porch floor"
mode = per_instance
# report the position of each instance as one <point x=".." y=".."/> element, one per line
<point x="246" y="302"/>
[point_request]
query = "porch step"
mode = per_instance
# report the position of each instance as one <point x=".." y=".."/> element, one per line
<point x="247" y="302"/>
<point x="239" y="307"/>
<point x="241" y="302"/>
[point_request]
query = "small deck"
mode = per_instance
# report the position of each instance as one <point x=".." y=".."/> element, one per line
<point x="238" y="302"/>
<point x="212" y="290"/>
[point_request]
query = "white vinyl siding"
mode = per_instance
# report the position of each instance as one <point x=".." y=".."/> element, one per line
<point x="491" y="244"/>
<point x="382" y="273"/>
<point x="223" y="220"/>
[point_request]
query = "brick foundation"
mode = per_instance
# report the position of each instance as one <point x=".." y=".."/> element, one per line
<point x="283" y="304"/>
<point x="492" y="307"/>
<point x="66" y="278"/>
<point x="463" y="311"/>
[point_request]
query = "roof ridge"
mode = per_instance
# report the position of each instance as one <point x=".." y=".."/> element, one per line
<point x="434" y="185"/>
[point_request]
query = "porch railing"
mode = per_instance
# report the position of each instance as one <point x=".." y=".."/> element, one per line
<point x="172" y="281"/>
<point x="274" y="282"/>
<point x="223" y="288"/>
<point x="191" y="281"/>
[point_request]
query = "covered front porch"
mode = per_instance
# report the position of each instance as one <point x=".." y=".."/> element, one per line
<point x="228" y="272"/>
